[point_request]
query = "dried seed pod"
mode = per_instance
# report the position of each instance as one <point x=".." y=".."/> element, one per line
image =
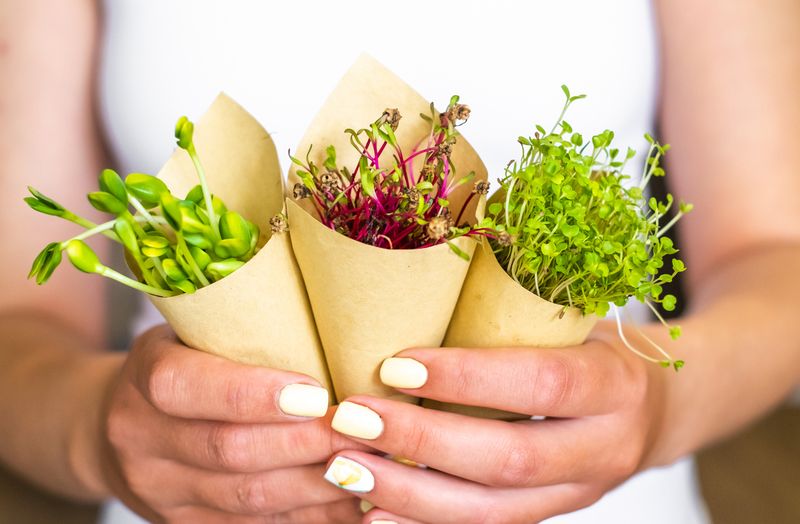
<point x="481" y="187"/>
<point x="457" y="114"/>
<point x="391" y="117"/>
<point x="504" y="238"/>
<point x="437" y="228"/>
<point x="330" y="183"/>
<point x="300" y="191"/>
<point x="278" y="224"/>
<point x="412" y="194"/>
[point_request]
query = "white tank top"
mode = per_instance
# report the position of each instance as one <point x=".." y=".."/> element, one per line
<point x="506" y="59"/>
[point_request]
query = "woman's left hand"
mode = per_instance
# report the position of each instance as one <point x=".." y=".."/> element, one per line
<point x="603" y="406"/>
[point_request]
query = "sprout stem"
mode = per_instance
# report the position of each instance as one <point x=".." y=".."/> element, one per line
<point x="187" y="254"/>
<point x="201" y="174"/>
<point x="625" y="340"/>
<point x="88" y="224"/>
<point x="122" y="279"/>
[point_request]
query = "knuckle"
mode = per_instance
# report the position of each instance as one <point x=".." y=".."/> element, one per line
<point x="416" y="440"/>
<point x="117" y="428"/>
<point x="253" y="497"/>
<point x="403" y="498"/>
<point x="488" y="511"/>
<point x="586" y="496"/>
<point x="519" y="466"/>
<point x="161" y="385"/>
<point x="238" y="398"/>
<point x="555" y="382"/>
<point x="462" y="379"/>
<point x="228" y="447"/>
<point x="626" y="464"/>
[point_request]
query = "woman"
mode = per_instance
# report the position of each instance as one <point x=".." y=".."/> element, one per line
<point x="179" y="443"/>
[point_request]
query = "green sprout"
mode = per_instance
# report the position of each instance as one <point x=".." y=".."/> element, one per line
<point x="174" y="245"/>
<point x="578" y="233"/>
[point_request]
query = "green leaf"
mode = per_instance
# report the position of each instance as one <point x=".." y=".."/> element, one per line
<point x="458" y="251"/>
<point x="43" y="204"/>
<point x="173" y="270"/>
<point x="146" y="188"/>
<point x="184" y="131"/>
<point x="106" y="202"/>
<point x="236" y="236"/>
<point x="367" y="180"/>
<point x="171" y="210"/>
<point x="198" y="240"/>
<point x="675" y="332"/>
<point x="200" y="257"/>
<point x="330" y="159"/>
<point x="223" y="268"/>
<point x="110" y="182"/>
<point x="46" y="263"/>
<point x="126" y="235"/>
<point x="83" y="258"/>
<point x="669" y="302"/>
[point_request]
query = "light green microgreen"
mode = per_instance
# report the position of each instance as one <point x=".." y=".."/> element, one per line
<point x="174" y="245"/>
<point x="579" y="233"/>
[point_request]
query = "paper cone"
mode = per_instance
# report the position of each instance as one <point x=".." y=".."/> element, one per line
<point x="259" y="314"/>
<point x="494" y="311"/>
<point x="370" y="303"/>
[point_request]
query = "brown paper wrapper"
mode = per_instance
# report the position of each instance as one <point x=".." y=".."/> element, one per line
<point x="260" y="314"/>
<point x="494" y="311"/>
<point x="370" y="303"/>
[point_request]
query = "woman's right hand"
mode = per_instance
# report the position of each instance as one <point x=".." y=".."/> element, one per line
<point x="192" y="437"/>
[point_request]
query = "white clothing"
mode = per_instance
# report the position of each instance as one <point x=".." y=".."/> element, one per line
<point x="507" y="59"/>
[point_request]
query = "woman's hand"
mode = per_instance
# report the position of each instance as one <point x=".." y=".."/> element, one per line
<point x="605" y="411"/>
<point x="192" y="437"/>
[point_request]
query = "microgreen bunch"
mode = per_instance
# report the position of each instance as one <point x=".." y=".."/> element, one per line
<point x="394" y="199"/>
<point x="580" y="235"/>
<point x="174" y="245"/>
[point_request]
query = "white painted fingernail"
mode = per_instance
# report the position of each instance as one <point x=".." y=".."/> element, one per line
<point x="303" y="400"/>
<point x="365" y="505"/>
<point x="350" y="475"/>
<point x="405" y="373"/>
<point x="383" y="522"/>
<point x="357" y="421"/>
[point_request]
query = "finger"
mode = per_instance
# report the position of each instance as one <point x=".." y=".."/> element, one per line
<point x="570" y="382"/>
<point x="380" y="516"/>
<point x="342" y="512"/>
<point x="432" y="496"/>
<point x="249" y="448"/>
<point x="267" y="493"/>
<point x="490" y="452"/>
<point x="187" y="383"/>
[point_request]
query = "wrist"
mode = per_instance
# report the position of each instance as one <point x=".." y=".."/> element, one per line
<point x="94" y="377"/>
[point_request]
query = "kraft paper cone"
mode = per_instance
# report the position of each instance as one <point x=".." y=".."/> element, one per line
<point x="260" y="313"/>
<point x="494" y="311"/>
<point x="370" y="303"/>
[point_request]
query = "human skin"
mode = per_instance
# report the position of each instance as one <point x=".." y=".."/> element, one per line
<point x="730" y="109"/>
<point x="179" y="435"/>
<point x="68" y="399"/>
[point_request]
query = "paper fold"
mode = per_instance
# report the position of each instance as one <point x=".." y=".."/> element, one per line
<point x="259" y="314"/>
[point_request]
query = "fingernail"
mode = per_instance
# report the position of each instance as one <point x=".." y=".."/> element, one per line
<point x="350" y="475"/>
<point x="303" y="400"/>
<point x="357" y="421"/>
<point x="383" y="522"/>
<point x="365" y="505"/>
<point x="405" y="373"/>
